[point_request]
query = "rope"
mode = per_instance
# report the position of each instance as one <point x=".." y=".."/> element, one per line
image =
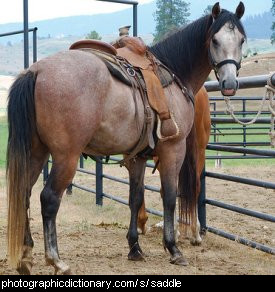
<point x="230" y="110"/>
<point x="269" y="94"/>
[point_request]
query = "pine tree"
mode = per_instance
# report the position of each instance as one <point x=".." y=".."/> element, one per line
<point x="93" y="35"/>
<point x="170" y="14"/>
<point x="273" y="24"/>
<point x="208" y="10"/>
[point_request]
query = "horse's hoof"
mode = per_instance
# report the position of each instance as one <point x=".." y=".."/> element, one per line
<point x="60" y="268"/>
<point x="136" y="255"/>
<point x="65" y="271"/>
<point x="142" y="230"/>
<point x="196" y="241"/>
<point x="179" y="261"/>
<point x="25" y="268"/>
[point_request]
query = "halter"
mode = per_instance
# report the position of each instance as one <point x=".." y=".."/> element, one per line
<point x="216" y="66"/>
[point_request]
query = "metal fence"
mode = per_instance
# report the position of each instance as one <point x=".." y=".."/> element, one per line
<point x="34" y="42"/>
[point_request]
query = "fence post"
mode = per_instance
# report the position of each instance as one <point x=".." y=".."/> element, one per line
<point x="81" y="162"/>
<point x="201" y="203"/>
<point x="99" y="183"/>
<point x="26" y="33"/>
<point x="34" y="45"/>
<point x="135" y="20"/>
<point x="45" y="172"/>
<point x="244" y="127"/>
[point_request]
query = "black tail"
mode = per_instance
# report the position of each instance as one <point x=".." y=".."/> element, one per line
<point x="22" y="124"/>
<point x="187" y="186"/>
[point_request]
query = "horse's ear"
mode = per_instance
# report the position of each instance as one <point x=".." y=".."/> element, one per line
<point x="240" y="10"/>
<point x="216" y="10"/>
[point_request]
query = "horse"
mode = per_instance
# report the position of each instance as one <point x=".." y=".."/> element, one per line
<point x="69" y="103"/>
<point x="203" y="129"/>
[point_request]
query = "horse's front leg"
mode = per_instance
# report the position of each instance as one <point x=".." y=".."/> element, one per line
<point x="171" y="159"/>
<point x="136" y="170"/>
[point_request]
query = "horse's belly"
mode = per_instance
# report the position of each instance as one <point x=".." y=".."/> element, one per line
<point x="118" y="142"/>
<point x="121" y="125"/>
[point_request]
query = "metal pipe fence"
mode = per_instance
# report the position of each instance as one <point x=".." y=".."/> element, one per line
<point x="34" y="41"/>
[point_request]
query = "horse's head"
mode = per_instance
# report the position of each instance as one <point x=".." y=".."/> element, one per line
<point x="226" y="37"/>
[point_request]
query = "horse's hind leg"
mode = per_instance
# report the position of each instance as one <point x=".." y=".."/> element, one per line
<point x="136" y="170"/>
<point x="61" y="176"/>
<point x="170" y="165"/>
<point x="39" y="155"/>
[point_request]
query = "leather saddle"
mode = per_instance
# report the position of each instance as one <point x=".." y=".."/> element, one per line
<point x="130" y="60"/>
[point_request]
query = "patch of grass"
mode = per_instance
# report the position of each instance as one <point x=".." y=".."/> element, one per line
<point x="3" y="140"/>
<point x="254" y="134"/>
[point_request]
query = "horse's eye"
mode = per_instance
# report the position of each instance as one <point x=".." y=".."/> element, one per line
<point x="215" y="42"/>
<point x="242" y="41"/>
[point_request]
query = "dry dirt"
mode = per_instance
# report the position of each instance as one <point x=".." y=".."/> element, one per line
<point x="92" y="240"/>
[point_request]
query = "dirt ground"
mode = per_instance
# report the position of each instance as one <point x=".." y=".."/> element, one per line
<point x="92" y="240"/>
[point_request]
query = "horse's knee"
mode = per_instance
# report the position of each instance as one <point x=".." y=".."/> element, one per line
<point x="50" y="203"/>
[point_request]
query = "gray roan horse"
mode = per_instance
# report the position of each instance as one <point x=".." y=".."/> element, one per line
<point x="69" y="104"/>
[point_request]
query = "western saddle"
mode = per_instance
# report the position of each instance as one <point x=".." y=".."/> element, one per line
<point x="129" y="60"/>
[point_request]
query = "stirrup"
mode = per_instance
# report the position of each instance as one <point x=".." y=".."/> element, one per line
<point x="159" y="135"/>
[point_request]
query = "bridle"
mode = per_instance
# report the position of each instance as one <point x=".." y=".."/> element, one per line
<point x="216" y="66"/>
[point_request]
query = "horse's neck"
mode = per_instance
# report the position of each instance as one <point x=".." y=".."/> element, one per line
<point x="199" y="73"/>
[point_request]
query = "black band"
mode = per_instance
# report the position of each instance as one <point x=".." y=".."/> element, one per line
<point x="229" y="61"/>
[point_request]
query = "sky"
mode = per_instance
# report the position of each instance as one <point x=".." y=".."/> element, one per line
<point x="12" y="10"/>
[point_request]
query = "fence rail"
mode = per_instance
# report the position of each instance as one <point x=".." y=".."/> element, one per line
<point x="244" y="82"/>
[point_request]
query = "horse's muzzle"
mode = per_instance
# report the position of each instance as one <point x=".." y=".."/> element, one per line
<point x="229" y="87"/>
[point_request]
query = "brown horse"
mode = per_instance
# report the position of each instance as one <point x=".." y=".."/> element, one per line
<point x="203" y="129"/>
<point x="69" y="103"/>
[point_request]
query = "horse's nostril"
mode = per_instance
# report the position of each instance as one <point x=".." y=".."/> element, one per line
<point x="230" y="84"/>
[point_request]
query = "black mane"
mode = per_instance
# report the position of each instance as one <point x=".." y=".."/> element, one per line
<point x="183" y="50"/>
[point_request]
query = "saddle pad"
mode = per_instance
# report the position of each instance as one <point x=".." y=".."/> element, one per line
<point x="165" y="76"/>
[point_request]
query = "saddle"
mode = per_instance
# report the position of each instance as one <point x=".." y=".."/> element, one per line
<point x="130" y="61"/>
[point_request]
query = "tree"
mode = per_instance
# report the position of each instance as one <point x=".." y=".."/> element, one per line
<point x="207" y="10"/>
<point x="170" y="14"/>
<point x="273" y="24"/>
<point x="93" y="35"/>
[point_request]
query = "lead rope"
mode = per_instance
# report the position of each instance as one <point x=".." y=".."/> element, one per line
<point x="269" y="94"/>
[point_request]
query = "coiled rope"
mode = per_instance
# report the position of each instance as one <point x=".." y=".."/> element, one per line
<point x="269" y="95"/>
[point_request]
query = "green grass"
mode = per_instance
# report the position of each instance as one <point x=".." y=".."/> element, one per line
<point x="3" y="141"/>
<point x="258" y="135"/>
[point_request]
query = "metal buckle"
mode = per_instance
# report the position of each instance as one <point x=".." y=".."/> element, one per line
<point x="131" y="72"/>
